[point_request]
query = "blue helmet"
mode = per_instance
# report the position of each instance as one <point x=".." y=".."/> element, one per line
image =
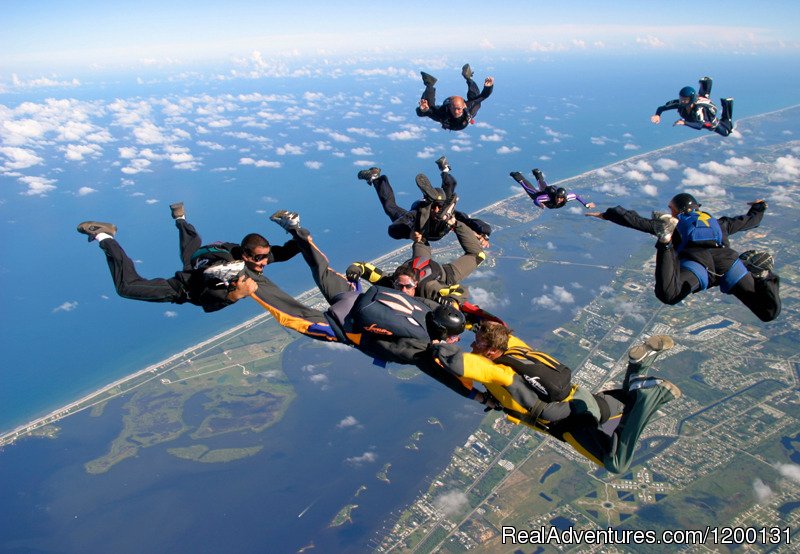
<point x="688" y="92"/>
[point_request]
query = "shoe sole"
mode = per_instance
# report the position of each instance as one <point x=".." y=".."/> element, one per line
<point x="672" y="388"/>
<point x="424" y="184"/>
<point x="653" y="345"/>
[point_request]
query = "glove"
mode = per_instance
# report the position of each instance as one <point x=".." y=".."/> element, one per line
<point x="454" y="291"/>
<point x="490" y="402"/>
<point x="355" y="271"/>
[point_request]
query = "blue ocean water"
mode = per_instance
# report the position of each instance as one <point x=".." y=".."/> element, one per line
<point x="546" y="110"/>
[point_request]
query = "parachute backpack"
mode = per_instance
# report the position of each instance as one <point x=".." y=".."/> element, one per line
<point x="698" y="228"/>
<point x="388" y="312"/>
<point x="541" y="372"/>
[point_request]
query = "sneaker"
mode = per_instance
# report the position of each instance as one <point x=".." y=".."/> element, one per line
<point x="226" y="273"/>
<point x="727" y="108"/>
<point x="93" y="228"/>
<point x="650" y="349"/>
<point x="705" y="86"/>
<point x="466" y="71"/>
<point x="760" y="264"/>
<point x="517" y="176"/>
<point x="288" y="220"/>
<point x="665" y="225"/>
<point x="447" y="214"/>
<point x="442" y="164"/>
<point x="537" y="174"/>
<point x="370" y="174"/>
<point x="644" y="383"/>
<point x="427" y="79"/>
<point x="177" y="210"/>
<point x="431" y="194"/>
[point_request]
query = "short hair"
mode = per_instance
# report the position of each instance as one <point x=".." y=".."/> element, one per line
<point x="253" y="241"/>
<point x="495" y="335"/>
<point x="407" y="271"/>
<point x="456" y="101"/>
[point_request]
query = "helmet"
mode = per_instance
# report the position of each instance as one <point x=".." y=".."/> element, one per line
<point x="688" y="92"/>
<point x="445" y="321"/>
<point x="561" y="193"/>
<point x="684" y="202"/>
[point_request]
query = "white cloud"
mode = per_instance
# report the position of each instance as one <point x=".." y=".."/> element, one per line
<point x="37" y="186"/>
<point x="349" y="421"/>
<point x="319" y="378"/>
<point x="136" y="166"/>
<point x="290" y="149"/>
<point x="310" y="164"/>
<point x="364" y="163"/>
<point x="66" y="307"/>
<point x="494" y="137"/>
<point x="650" y="190"/>
<point x="631" y="146"/>
<point x="76" y="152"/>
<point x="563" y="295"/>
<point x="362" y="151"/>
<point x="641" y="165"/>
<point x="451" y="503"/>
<point x="790" y="471"/>
<point x="719" y="169"/>
<point x="552" y="301"/>
<point x="635" y="175"/>
<point x="740" y="162"/>
<point x="693" y="177"/>
<point x="259" y="163"/>
<point x="547" y="302"/>
<point x="486" y="299"/>
<point x="410" y="132"/>
<point x="762" y="491"/>
<point x="365" y="458"/>
<point x="149" y="133"/>
<point x="650" y="42"/>
<point x="666" y="164"/>
<point x="426" y="153"/>
<point x="661" y="177"/>
<point x="506" y="150"/>
<point x="83" y="191"/>
<point x="170" y="313"/>
<point x="613" y="188"/>
<point x="787" y="168"/>
<point x="19" y="158"/>
<point x="362" y="131"/>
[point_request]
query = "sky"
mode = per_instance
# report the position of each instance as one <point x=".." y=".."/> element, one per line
<point x="48" y="38"/>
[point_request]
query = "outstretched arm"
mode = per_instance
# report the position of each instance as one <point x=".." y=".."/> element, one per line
<point x="627" y="218"/>
<point x="573" y="196"/>
<point x="750" y="220"/>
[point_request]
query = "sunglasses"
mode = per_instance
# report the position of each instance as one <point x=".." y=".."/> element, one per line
<point x="259" y="257"/>
<point x="404" y="285"/>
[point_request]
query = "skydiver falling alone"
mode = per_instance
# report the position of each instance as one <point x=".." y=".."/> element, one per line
<point x="454" y="114"/>
<point x="427" y="217"/>
<point x="693" y="254"/>
<point x="698" y="111"/>
<point x="547" y="196"/>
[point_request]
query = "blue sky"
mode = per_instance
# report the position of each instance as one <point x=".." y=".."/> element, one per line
<point x="61" y="37"/>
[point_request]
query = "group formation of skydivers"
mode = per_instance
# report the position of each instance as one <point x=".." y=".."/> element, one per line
<point x="416" y="314"/>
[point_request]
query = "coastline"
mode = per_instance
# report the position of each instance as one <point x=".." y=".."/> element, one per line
<point x="150" y="372"/>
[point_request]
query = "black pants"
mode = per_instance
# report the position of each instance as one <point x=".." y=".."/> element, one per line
<point x="130" y="284"/>
<point x="673" y="284"/>
<point x="402" y="220"/>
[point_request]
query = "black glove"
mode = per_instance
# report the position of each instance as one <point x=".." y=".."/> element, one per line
<point x="355" y="271"/>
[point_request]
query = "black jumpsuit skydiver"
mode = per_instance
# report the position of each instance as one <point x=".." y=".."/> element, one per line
<point x="674" y="283"/>
<point x="441" y="114"/>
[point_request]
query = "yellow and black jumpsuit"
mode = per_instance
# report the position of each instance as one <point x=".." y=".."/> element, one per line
<point x="583" y="420"/>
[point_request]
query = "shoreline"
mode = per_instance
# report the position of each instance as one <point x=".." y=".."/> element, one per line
<point x="8" y="437"/>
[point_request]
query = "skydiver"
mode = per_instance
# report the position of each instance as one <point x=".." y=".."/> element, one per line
<point x="427" y="217"/>
<point x="547" y="196"/>
<point x="431" y="280"/>
<point x="454" y="114"/>
<point x="386" y="324"/>
<point x="693" y="254"/>
<point x="530" y="388"/>
<point x="213" y="276"/>
<point x="698" y="111"/>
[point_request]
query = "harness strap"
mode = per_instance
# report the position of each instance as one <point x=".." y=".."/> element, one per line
<point x="699" y="271"/>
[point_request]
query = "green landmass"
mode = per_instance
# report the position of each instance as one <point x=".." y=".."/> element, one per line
<point x="383" y="474"/>
<point x="235" y="385"/>
<point x="343" y="516"/>
<point x="361" y="489"/>
<point x="201" y="453"/>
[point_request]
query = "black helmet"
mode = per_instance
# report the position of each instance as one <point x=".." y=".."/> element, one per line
<point x="684" y="202"/>
<point x="561" y="193"/>
<point x="688" y="92"/>
<point x="445" y="321"/>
